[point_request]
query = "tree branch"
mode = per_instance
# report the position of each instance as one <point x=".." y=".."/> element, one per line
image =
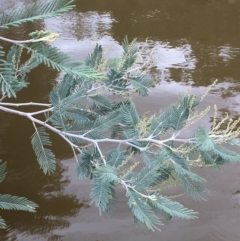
<point x="51" y="37"/>
<point x="25" y="104"/>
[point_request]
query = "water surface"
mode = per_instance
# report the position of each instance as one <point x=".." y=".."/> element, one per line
<point x="196" y="42"/>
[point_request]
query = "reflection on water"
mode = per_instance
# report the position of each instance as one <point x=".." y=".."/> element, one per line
<point x="194" y="42"/>
<point x="93" y="25"/>
<point x="228" y="53"/>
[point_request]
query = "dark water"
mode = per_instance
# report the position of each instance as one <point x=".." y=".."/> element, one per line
<point x="196" y="42"/>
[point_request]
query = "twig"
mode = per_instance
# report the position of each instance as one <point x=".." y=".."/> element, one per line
<point x="100" y="152"/>
<point x="126" y="186"/>
<point x="25" y="104"/>
<point x="51" y="37"/>
<point x="96" y="142"/>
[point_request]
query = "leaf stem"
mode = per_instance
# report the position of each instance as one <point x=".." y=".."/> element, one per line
<point x="25" y="104"/>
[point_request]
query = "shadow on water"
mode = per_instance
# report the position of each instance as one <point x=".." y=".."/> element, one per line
<point x="196" y="42"/>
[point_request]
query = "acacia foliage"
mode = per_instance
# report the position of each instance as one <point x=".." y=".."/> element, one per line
<point x="150" y="153"/>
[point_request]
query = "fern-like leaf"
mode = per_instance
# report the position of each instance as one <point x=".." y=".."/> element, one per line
<point x="102" y="124"/>
<point x="116" y="81"/>
<point x="9" y="84"/>
<point x="116" y="157"/>
<point x="100" y="101"/>
<point x="56" y="59"/>
<point x="175" y="116"/>
<point x="64" y="88"/>
<point x="2" y="223"/>
<point x="148" y="175"/>
<point x="234" y="142"/>
<point x="66" y="104"/>
<point x="107" y="173"/>
<point x="84" y="166"/>
<point x="2" y="53"/>
<point x="183" y="172"/>
<point x="194" y="188"/>
<point x="203" y="140"/>
<point x="45" y="156"/>
<point x="130" y="53"/>
<point x="129" y="119"/>
<point x="9" y="202"/>
<point x="33" y="12"/>
<point x="143" y="213"/>
<point x="175" y="158"/>
<point x="103" y="192"/>
<point x="174" y="209"/>
<point x="226" y="155"/>
<point x="3" y="167"/>
<point x="95" y="58"/>
<point x="142" y="84"/>
<point x="208" y="158"/>
<point x="20" y="69"/>
<point x="181" y="112"/>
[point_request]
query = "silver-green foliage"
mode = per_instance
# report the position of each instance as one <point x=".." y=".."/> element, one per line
<point x="33" y="12"/>
<point x="149" y="153"/>
<point x="45" y="156"/>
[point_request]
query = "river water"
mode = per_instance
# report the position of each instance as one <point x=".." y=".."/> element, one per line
<point x="196" y="42"/>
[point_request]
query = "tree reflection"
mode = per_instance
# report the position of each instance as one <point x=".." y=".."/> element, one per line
<point x="55" y="207"/>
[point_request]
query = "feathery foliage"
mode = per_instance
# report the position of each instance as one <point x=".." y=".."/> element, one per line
<point x="2" y="171"/>
<point x="2" y="53"/>
<point x="143" y="213"/>
<point x="8" y="81"/>
<point x="56" y="59"/>
<point x="148" y="153"/>
<point x="45" y="157"/>
<point x="33" y="12"/>
<point x="95" y="59"/>
<point x="171" y="208"/>
<point x="103" y="192"/>
<point x="9" y="202"/>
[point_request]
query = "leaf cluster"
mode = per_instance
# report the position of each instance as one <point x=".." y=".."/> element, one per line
<point x="91" y="104"/>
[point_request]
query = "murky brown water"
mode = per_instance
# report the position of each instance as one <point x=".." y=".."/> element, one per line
<point x="196" y="41"/>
